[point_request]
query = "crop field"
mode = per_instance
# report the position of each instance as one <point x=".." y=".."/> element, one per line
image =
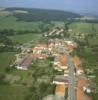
<point x="4" y="13"/>
<point x="11" y="22"/>
<point x="26" y="37"/>
<point x="84" y="27"/>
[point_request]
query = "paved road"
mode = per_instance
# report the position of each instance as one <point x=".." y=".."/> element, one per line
<point x="72" y="78"/>
<point x="72" y="81"/>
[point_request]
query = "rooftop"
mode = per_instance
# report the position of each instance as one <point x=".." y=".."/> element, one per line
<point x="61" y="78"/>
<point x="25" y="62"/>
<point x="60" y="90"/>
<point x="42" y="45"/>
<point x="39" y="55"/>
<point x="63" y="60"/>
<point x="76" y="60"/>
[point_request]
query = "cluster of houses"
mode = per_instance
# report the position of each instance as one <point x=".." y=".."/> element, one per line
<point x="58" y="49"/>
<point x="42" y="51"/>
<point x="61" y="64"/>
<point x="25" y="59"/>
<point x="55" y="32"/>
<point x="61" y="81"/>
<point x="78" y="35"/>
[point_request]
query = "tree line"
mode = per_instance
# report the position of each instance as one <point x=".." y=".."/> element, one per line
<point x="42" y="14"/>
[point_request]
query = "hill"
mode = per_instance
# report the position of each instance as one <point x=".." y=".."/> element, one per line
<point x="32" y="14"/>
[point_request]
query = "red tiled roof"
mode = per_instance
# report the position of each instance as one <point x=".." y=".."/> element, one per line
<point x="76" y="60"/>
<point x="42" y="45"/>
<point x="63" y="60"/>
<point x="39" y="55"/>
<point x="60" y="90"/>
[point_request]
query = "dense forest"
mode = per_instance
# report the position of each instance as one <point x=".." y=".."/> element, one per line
<point x="41" y="14"/>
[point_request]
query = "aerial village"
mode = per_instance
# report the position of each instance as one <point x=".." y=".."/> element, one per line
<point x="61" y="50"/>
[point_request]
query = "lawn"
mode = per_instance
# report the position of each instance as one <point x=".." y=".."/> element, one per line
<point x="84" y="27"/>
<point x="26" y="37"/>
<point x="6" y="58"/>
<point x="12" y="92"/>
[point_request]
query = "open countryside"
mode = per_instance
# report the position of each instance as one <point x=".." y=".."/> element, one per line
<point x="47" y="58"/>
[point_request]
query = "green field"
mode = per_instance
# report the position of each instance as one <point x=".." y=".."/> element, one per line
<point x="6" y="58"/>
<point x="93" y="40"/>
<point x="26" y="37"/>
<point x="84" y="27"/>
<point x="58" y="23"/>
<point x="41" y="72"/>
<point x="10" y="92"/>
<point x="10" y="22"/>
<point x="13" y="91"/>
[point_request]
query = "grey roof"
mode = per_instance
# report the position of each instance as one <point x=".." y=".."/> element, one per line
<point x="61" y="78"/>
<point x="26" y="62"/>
